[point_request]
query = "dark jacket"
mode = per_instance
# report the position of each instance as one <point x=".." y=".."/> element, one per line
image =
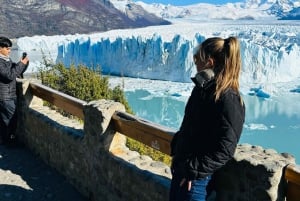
<point x="9" y="71"/>
<point x="209" y="132"/>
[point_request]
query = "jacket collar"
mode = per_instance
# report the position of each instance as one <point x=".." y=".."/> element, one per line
<point x="203" y="77"/>
<point x="6" y="58"/>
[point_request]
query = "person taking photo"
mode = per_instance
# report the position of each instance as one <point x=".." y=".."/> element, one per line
<point x="9" y="71"/>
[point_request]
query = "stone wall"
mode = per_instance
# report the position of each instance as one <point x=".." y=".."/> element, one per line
<point x="96" y="161"/>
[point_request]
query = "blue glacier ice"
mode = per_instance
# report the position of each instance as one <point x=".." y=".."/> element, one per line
<point x="270" y="50"/>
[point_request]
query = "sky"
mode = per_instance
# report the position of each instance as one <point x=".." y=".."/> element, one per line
<point x="189" y="2"/>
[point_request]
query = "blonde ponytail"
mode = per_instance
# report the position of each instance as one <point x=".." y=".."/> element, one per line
<point x="227" y="62"/>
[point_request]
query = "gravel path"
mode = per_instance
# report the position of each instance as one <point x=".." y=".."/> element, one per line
<point x="24" y="177"/>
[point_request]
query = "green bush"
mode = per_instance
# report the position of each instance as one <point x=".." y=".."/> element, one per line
<point x="86" y="84"/>
<point x="81" y="82"/>
<point x="149" y="151"/>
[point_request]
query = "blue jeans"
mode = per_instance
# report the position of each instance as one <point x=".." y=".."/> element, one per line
<point x="181" y="193"/>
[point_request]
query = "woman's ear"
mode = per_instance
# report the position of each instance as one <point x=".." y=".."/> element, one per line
<point x="210" y="62"/>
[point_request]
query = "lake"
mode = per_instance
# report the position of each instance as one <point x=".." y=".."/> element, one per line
<point x="270" y="122"/>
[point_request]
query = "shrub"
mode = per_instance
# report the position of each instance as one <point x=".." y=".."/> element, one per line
<point x="88" y="84"/>
<point x="149" y="151"/>
<point x="81" y="82"/>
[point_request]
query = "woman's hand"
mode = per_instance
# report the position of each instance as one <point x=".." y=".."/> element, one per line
<point x="189" y="183"/>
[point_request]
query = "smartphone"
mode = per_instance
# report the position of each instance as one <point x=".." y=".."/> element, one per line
<point x="24" y="55"/>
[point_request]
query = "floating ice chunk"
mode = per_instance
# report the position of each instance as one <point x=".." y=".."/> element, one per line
<point x="256" y="127"/>
<point x="176" y="94"/>
<point x="297" y="90"/>
<point x="259" y="93"/>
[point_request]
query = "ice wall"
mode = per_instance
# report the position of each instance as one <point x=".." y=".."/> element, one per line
<point x="157" y="59"/>
<point x="163" y="55"/>
<point x="264" y="65"/>
<point x="133" y="56"/>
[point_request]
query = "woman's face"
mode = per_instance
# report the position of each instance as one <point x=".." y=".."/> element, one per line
<point x="201" y="65"/>
<point x="202" y="60"/>
<point x="5" y="51"/>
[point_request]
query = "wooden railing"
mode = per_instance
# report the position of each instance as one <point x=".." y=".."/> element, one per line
<point x="292" y="175"/>
<point x="68" y="103"/>
<point x="153" y="135"/>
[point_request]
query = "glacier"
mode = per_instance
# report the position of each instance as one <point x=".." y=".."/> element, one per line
<point x="270" y="50"/>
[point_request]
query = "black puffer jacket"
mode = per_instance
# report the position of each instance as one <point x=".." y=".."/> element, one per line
<point x="209" y="133"/>
<point x="9" y="71"/>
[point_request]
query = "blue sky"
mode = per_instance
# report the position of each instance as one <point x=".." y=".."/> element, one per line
<point x="188" y="2"/>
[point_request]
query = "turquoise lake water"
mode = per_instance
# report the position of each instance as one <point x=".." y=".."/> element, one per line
<point x="271" y="123"/>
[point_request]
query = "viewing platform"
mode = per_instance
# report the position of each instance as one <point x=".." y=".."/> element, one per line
<point x="25" y="177"/>
<point x="92" y="156"/>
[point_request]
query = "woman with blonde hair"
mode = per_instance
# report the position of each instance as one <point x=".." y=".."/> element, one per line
<point x="213" y="120"/>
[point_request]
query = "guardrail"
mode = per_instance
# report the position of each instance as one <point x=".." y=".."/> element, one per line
<point x="149" y="133"/>
<point x="292" y="175"/>
<point x="68" y="103"/>
<point x="153" y="135"/>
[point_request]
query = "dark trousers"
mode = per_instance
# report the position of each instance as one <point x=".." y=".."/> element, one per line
<point x="8" y="119"/>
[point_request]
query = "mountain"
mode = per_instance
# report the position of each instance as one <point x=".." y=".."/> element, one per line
<point x="61" y="17"/>
<point x="292" y="15"/>
<point x="135" y="11"/>
<point x="248" y="10"/>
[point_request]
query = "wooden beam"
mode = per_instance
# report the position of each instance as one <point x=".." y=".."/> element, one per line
<point x="68" y="103"/>
<point x="151" y="134"/>
<point x="292" y="175"/>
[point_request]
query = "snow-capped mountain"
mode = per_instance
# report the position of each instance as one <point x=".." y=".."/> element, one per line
<point x="51" y="17"/>
<point x="137" y="13"/>
<point x="248" y="10"/>
<point x="292" y="15"/>
<point x="281" y="8"/>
